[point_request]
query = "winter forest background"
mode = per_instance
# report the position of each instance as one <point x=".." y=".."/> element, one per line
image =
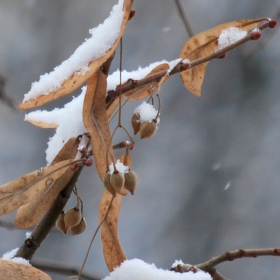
<point x="209" y="179"/>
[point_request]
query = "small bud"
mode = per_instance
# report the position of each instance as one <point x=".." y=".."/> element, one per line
<point x="60" y="222"/>
<point x="84" y="150"/>
<point x="117" y="180"/>
<point x="132" y="14"/>
<point x="74" y="167"/>
<point x="108" y="185"/>
<point x="80" y="228"/>
<point x="88" y="162"/>
<point x="148" y="129"/>
<point x="255" y="35"/>
<point x="272" y="23"/>
<point x="222" y="56"/>
<point x="72" y="218"/>
<point x="131" y="181"/>
<point x="135" y="122"/>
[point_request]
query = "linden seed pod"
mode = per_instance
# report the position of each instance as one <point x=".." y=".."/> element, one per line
<point x="131" y="181"/>
<point x="72" y="217"/>
<point x="148" y="129"/>
<point x="117" y="180"/>
<point x="135" y="122"/>
<point x="60" y="222"/>
<point x="80" y="228"/>
<point x="108" y="185"/>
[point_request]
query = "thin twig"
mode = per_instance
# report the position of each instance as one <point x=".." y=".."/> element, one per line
<point x="184" y="18"/>
<point x="93" y="237"/>
<point x="241" y="253"/>
<point x="59" y="268"/>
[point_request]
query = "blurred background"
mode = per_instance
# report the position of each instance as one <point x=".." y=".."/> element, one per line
<point x="209" y="178"/>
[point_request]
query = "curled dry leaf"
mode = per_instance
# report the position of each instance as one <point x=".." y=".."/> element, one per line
<point x="79" y="77"/>
<point x="43" y="124"/>
<point x="202" y="45"/>
<point x="14" y="271"/>
<point x="22" y="190"/>
<point x="112" y="249"/>
<point x="96" y="122"/>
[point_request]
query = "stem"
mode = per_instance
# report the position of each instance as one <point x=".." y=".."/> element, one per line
<point x="43" y="228"/>
<point x="184" y="18"/>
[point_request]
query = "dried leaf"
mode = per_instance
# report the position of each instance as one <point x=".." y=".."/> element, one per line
<point x="68" y="151"/>
<point x="204" y="44"/>
<point x="146" y="90"/>
<point x="22" y="190"/>
<point x="78" y="78"/>
<point x="96" y="122"/>
<point x="29" y="214"/>
<point x="112" y="249"/>
<point x="14" y="271"/>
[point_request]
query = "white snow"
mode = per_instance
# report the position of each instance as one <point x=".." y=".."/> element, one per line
<point x="136" y="269"/>
<point x="69" y="120"/>
<point x="228" y="185"/>
<point x="146" y="112"/>
<point x="9" y="256"/>
<point x="229" y="36"/>
<point x="140" y="73"/>
<point x="102" y="39"/>
<point x="120" y="167"/>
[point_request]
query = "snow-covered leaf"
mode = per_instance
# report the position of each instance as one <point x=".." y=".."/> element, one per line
<point x="204" y="44"/>
<point x="85" y="61"/>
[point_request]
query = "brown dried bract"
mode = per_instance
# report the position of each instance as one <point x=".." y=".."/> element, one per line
<point x="96" y="122"/>
<point x="112" y="249"/>
<point x="204" y="44"/>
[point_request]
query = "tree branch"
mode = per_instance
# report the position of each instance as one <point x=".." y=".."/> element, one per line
<point x="133" y="84"/>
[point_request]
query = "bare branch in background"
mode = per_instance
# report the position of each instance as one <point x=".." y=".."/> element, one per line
<point x="6" y="99"/>
<point x="184" y="18"/>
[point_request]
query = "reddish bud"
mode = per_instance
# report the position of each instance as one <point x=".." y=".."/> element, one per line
<point x="222" y="56"/>
<point x="88" y="162"/>
<point x="272" y="23"/>
<point x="74" y="167"/>
<point x="132" y="14"/>
<point x="255" y="35"/>
<point x="185" y="66"/>
<point x="84" y="150"/>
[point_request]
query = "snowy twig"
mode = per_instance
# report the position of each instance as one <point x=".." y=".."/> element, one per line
<point x="241" y="253"/>
<point x="209" y="265"/>
<point x="43" y="228"/>
<point x="4" y="97"/>
<point x="133" y="84"/>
